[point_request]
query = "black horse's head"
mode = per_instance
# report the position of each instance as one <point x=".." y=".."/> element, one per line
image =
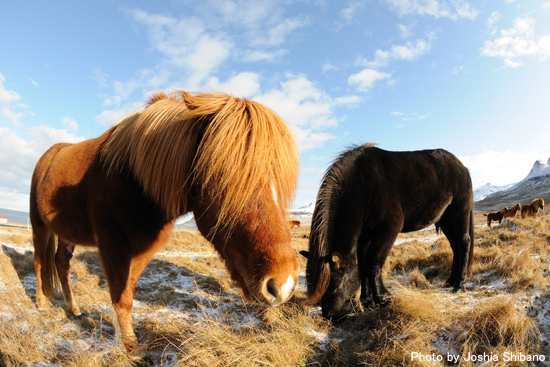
<point x="337" y="301"/>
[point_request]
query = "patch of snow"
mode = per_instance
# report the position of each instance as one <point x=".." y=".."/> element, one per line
<point x="323" y="338"/>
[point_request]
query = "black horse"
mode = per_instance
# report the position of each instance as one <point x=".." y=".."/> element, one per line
<point x="367" y="197"/>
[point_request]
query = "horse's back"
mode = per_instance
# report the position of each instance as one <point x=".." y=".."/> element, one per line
<point x="419" y="185"/>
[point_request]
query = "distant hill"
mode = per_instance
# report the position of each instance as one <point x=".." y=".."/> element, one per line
<point x="15" y="216"/>
<point x="483" y="191"/>
<point x="536" y="184"/>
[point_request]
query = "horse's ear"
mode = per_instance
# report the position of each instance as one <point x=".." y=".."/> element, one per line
<point x="305" y="254"/>
<point x="336" y="258"/>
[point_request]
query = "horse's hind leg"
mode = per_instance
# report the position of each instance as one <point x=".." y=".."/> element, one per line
<point x="62" y="262"/>
<point x="455" y="226"/>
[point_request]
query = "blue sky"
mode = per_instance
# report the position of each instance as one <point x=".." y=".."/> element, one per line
<point x="472" y="77"/>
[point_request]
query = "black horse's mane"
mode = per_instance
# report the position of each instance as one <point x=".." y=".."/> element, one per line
<point x="318" y="267"/>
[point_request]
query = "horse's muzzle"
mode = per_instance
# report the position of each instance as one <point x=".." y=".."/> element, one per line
<point x="275" y="293"/>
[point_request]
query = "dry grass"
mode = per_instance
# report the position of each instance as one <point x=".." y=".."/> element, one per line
<point x="187" y="313"/>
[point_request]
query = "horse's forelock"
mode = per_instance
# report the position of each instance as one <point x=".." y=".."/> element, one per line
<point x="259" y="155"/>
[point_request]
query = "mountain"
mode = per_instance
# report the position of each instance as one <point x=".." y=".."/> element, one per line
<point x="536" y="184"/>
<point x="483" y="191"/>
<point x="303" y="211"/>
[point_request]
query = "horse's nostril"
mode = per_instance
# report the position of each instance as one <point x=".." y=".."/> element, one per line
<point x="272" y="288"/>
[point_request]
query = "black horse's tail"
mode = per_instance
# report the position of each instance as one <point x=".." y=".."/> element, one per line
<point x="471" y="255"/>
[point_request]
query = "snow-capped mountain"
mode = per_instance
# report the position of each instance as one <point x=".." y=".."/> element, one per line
<point x="483" y="191"/>
<point x="536" y="184"/>
<point x="304" y="210"/>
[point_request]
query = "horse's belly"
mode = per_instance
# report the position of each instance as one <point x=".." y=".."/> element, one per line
<point x="425" y="217"/>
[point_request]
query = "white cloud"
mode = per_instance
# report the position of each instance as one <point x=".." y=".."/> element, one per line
<point x="404" y="31"/>
<point x="263" y="55"/>
<point x="458" y="69"/>
<point x="7" y="96"/>
<point x="245" y="85"/>
<point x="111" y="116"/>
<point x="453" y="9"/>
<point x="410" y="51"/>
<point x="307" y="109"/>
<point x="193" y="49"/>
<point x="278" y="34"/>
<point x="33" y="82"/>
<point x="186" y="44"/>
<point x="494" y="18"/>
<point x="9" y="104"/>
<point x="11" y="116"/>
<point x="18" y="158"/>
<point x="518" y="42"/>
<point x="348" y="100"/>
<point x="365" y="79"/>
<point x="350" y="11"/>
<point x="69" y="123"/>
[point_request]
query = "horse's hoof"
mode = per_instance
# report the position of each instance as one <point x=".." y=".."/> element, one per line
<point x="87" y="323"/>
<point x="458" y="288"/>
<point x="384" y="303"/>
<point x="368" y="304"/>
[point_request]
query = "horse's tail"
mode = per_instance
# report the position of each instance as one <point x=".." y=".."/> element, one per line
<point x="50" y="278"/>
<point x="471" y="255"/>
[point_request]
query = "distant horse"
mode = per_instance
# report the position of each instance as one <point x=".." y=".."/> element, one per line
<point x="232" y="162"/>
<point x="294" y="223"/>
<point x="493" y="217"/>
<point x="367" y="197"/>
<point x="531" y="210"/>
<point x="512" y="212"/>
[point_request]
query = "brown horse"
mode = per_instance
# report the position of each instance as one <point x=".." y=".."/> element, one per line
<point x="531" y="210"/>
<point x="512" y="212"/>
<point x="232" y="162"/>
<point x="494" y="216"/>
<point x="294" y="223"/>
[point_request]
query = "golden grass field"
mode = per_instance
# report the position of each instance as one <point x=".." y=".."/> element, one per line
<point x="187" y="312"/>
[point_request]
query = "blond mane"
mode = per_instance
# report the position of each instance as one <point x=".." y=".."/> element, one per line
<point x="229" y="147"/>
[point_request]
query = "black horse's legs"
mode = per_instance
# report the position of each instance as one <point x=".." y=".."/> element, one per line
<point x="370" y="266"/>
<point x="455" y="226"/>
<point x="366" y="294"/>
<point x="448" y="230"/>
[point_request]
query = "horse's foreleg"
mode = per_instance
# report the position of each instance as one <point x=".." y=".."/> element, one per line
<point x="62" y="262"/>
<point x="122" y="273"/>
<point x="374" y="260"/>
<point x="366" y="294"/>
